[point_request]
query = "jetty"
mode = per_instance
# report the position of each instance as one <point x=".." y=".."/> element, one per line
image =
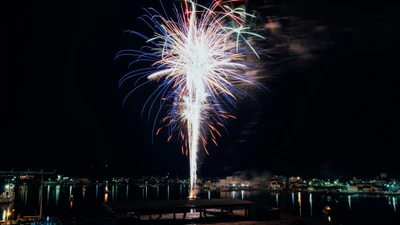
<point x="201" y="207"/>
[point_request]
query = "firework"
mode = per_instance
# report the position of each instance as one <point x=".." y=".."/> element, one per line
<point x="199" y="61"/>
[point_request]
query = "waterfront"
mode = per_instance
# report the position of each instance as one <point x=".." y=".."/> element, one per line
<point x="346" y="209"/>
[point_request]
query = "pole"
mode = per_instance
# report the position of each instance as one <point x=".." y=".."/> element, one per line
<point x="41" y="198"/>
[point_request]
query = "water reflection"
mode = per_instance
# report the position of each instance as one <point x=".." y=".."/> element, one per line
<point x="394" y="204"/>
<point x="310" y="200"/>
<point x="70" y="191"/>
<point x="71" y="197"/>
<point x="293" y="199"/>
<point x="127" y="192"/>
<point x="105" y="197"/>
<point x="349" y="201"/>
<point x="112" y="193"/>
<point x="23" y="193"/>
<point x="83" y="191"/>
<point x="40" y="193"/>
<point x="168" y="191"/>
<point x="299" y="200"/>
<point x="48" y="194"/>
<point x="3" y="218"/>
<point x="233" y="194"/>
<point x="57" y="194"/>
<point x="7" y="211"/>
<point x="115" y="193"/>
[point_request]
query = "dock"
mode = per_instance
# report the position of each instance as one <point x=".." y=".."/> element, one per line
<point x="199" y="207"/>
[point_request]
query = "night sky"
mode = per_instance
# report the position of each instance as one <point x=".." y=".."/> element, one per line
<point x="325" y="112"/>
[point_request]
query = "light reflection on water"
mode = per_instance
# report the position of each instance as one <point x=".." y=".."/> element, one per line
<point x="83" y="191"/>
<point x="57" y="198"/>
<point x="349" y="201"/>
<point x="293" y="199"/>
<point x="127" y="192"/>
<point x="310" y="201"/>
<point x="6" y="211"/>
<point x="299" y="200"/>
<point x="57" y="194"/>
<point x="168" y="191"/>
<point x="48" y="194"/>
<point x="105" y="197"/>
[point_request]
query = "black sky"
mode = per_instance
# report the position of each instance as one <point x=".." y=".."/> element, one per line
<point x="61" y="106"/>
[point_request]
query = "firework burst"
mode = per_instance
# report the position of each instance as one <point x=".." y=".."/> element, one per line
<point x="199" y="61"/>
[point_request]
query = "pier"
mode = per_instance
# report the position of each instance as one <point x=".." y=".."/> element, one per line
<point x="192" y="206"/>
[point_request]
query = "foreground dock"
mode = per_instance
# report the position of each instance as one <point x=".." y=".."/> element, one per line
<point x="198" y="207"/>
<point x="203" y="211"/>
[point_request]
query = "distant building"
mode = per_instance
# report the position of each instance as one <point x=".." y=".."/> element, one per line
<point x="363" y="187"/>
<point x="234" y="182"/>
<point x="26" y="177"/>
<point x="277" y="185"/>
<point x="353" y="187"/>
<point x="207" y="184"/>
<point x="383" y="175"/>
<point x="295" y="179"/>
<point x="315" y="182"/>
<point x="296" y="182"/>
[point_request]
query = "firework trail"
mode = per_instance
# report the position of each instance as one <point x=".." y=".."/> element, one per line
<point x="199" y="61"/>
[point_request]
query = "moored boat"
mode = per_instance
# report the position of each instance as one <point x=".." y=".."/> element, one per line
<point x="7" y="197"/>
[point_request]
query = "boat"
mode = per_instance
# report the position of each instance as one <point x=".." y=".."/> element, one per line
<point x="7" y="197"/>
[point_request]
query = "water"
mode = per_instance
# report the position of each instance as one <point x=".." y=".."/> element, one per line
<point x="59" y="199"/>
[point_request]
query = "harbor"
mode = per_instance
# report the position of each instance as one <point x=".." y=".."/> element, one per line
<point x="118" y="203"/>
<point x="7" y="200"/>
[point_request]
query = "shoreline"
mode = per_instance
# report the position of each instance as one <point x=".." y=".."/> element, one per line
<point x="253" y="189"/>
<point x="320" y="192"/>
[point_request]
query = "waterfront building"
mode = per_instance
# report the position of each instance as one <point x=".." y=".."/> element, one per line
<point x="363" y="187"/>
